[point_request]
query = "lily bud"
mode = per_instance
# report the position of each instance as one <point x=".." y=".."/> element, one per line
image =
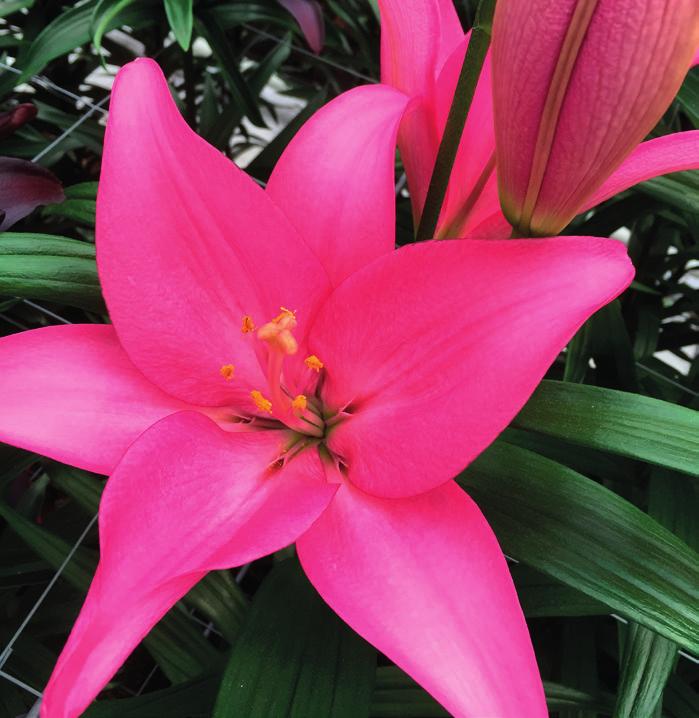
<point x="577" y="85"/>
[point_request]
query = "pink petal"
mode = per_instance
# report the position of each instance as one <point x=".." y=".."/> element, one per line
<point x="434" y="348"/>
<point x="71" y="393"/>
<point x="671" y="153"/>
<point x="417" y="36"/>
<point x="576" y="87"/>
<point x="335" y="180"/>
<point x="185" y="499"/>
<point x="24" y="186"/>
<point x="309" y="15"/>
<point x="475" y="160"/>
<point x="187" y="245"/>
<point x="423" y="579"/>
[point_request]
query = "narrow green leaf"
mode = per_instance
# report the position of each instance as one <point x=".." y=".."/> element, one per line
<point x="680" y="189"/>
<point x="104" y="14"/>
<point x="262" y="165"/>
<point x="628" y="424"/>
<point x="647" y="661"/>
<point x="42" y="266"/>
<point x="688" y="96"/>
<point x="193" y="699"/>
<point x="237" y="85"/>
<point x="396" y="695"/>
<point x="584" y="535"/>
<point x="295" y="658"/>
<point x="10" y="6"/>
<point x="177" y="646"/>
<point x="543" y="596"/>
<point x="81" y="211"/>
<point x="179" y="15"/>
<point x="67" y="31"/>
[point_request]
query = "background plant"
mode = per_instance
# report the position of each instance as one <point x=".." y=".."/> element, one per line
<point x="592" y="491"/>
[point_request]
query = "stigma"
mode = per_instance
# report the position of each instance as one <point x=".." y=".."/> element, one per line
<point x="279" y="332"/>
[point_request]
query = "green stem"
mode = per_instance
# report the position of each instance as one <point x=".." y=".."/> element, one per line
<point x="454" y="128"/>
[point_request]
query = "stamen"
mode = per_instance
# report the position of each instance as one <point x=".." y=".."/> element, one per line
<point x="312" y="362"/>
<point x="299" y="404"/>
<point x="227" y="371"/>
<point x="278" y="333"/>
<point x="248" y="324"/>
<point x="260" y="402"/>
<point x="285" y="314"/>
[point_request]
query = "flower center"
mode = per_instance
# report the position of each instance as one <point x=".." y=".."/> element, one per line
<point x="301" y="412"/>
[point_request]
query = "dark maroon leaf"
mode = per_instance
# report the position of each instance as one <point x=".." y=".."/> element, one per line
<point x="25" y="185"/>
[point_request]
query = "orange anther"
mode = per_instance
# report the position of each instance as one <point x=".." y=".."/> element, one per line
<point x="248" y="324"/>
<point x="260" y="402"/>
<point x="299" y="404"/>
<point x="312" y="362"/>
<point x="227" y="371"/>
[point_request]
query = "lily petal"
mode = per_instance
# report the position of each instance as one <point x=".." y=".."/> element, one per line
<point x="185" y="499"/>
<point x="71" y="393"/>
<point x="335" y="180"/>
<point x="434" y="348"/>
<point x="188" y="244"/>
<point x="417" y="37"/>
<point x="424" y="580"/>
<point x="671" y="153"/>
<point x="474" y="164"/>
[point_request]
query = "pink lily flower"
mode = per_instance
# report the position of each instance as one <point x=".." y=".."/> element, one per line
<point x="589" y="148"/>
<point x="233" y="426"/>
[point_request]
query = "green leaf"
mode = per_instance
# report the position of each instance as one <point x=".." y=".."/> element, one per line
<point x="179" y="15"/>
<point x="67" y="31"/>
<point x="628" y="424"/>
<point x="177" y="646"/>
<point x="262" y="165"/>
<point x="680" y="189"/>
<point x="294" y="657"/>
<point x="582" y="534"/>
<point x="646" y="664"/>
<point x="688" y="96"/>
<point x="42" y="266"/>
<point x="10" y="6"/>
<point x="80" y="211"/>
<point x="193" y="699"/>
<point x="398" y="696"/>
<point x="220" y="45"/>
<point x="543" y="596"/>
<point x="105" y="13"/>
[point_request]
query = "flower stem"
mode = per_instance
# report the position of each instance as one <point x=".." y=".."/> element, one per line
<point x="456" y="120"/>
